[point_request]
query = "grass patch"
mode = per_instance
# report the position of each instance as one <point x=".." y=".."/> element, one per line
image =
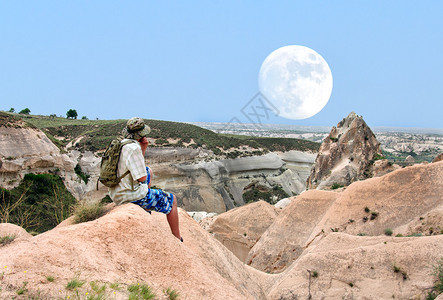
<point x="437" y="272"/>
<point x="50" y="278"/>
<point x="115" y="286"/>
<point x="22" y="289"/>
<point x="140" y="291"/>
<point x="7" y="239"/>
<point x="98" y="291"/>
<point x="97" y="134"/>
<point x="88" y="212"/>
<point x="171" y="293"/>
<point x="74" y="284"/>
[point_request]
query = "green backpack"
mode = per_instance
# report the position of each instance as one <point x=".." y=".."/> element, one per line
<point x="109" y="163"/>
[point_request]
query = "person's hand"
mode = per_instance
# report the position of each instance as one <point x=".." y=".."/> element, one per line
<point x="143" y="144"/>
<point x="143" y="140"/>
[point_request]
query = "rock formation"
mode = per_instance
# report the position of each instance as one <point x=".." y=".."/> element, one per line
<point x="346" y="155"/>
<point x="239" y="229"/>
<point x="25" y="149"/>
<point x="410" y="160"/>
<point x="218" y="186"/>
<point x="400" y="201"/>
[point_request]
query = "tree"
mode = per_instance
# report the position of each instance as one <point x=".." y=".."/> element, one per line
<point x="25" y="111"/>
<point x="12" y="110"/>
<point x="71" y="114"/>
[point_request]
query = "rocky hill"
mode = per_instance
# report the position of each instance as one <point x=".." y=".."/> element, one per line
<point x="324" y="245"/>
<point x="207" y="171"/>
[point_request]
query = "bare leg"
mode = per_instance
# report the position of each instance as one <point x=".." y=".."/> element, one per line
<point x="149" y="183"/>
<point x="172" y="218"/>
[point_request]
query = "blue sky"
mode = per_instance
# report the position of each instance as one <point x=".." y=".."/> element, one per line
<point x="198" y="61"/>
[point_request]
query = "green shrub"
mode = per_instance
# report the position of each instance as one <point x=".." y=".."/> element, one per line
<point x="388" y="231"/>
<point x="374" y="215"/>
<point x="83" y="176"/>
<point x="260" y="192"/>
<point x="38" y="204"/>
<point x="336" y="185"/>
<point x="378" y="157"/>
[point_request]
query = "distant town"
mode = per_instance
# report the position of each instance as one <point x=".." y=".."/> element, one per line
<point x="397" y="143"/>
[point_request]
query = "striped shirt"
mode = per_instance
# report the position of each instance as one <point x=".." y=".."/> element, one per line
<point x="132" y="159"/>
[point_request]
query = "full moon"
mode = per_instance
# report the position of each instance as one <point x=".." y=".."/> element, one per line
<point x="296" y="80"/>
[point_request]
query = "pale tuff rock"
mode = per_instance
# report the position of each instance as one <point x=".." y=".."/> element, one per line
<point x="283" y="203"/>
<point x="406" y="201"/>
<point x="28" y="150"/>
<point x="217" y="186"/>
<point x="382" y="167"/>
<point x="409" y="159"/>
<point x="128" y="246"/>
<point x="346" y="155"/>
<point x="240" y="228"/>
<point x="200" y="215"/>
<point x="353" y="267"/>
<point x="18" y="233"/>
<point x="438" y="158"/>
<point x="286" y="238"/>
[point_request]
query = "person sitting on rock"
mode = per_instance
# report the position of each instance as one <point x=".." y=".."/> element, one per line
<point x="136" y="187"/>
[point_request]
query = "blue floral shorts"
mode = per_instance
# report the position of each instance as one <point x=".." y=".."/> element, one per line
<point x="157" y="200"/>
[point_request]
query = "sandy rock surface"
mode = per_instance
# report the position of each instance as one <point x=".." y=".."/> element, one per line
<point x="7" y="229"/>
<point x="400" y="201"/>
<point x="240" y="228"/>
<point x="127" y="246"/>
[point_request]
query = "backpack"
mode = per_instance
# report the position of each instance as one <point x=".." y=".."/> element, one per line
<point x="109" y="163"/>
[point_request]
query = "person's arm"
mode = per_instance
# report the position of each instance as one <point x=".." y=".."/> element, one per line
<point x="144" y="145"/>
